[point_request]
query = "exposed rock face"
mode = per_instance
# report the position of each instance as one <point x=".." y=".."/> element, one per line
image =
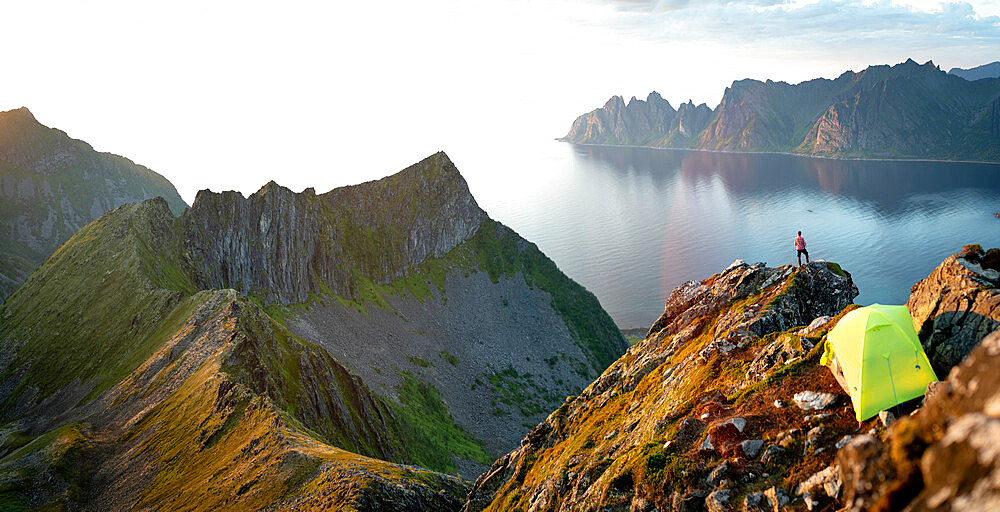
<point x="955" y="307"/>
<point x="639" y="122"/>
<point x="942" y="458"/>
<point x="174" y="395"/>
<point x="814" y="290"/>
<point x="668" y="425"/>
<point x="52" y="185"/>
<point x="521" y="345"/>
<point x="906" y="110"/>
<point x="282" y="246"/>
<point x="222" y="408"/>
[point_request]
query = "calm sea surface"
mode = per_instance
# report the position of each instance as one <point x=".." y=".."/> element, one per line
<point x="631" y="224"/>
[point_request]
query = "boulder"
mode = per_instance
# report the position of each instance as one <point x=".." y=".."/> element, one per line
<point x="718" y="501"/>
<point x="777" y="498"/>
<point x="955" y="307"/>
<point x="812" y="400"/>
<point x="816" y="326"/>
<point x="751" y="447"/>
<point x="719" y="474"/>
<point x="739" y="423"/>
<point x="824" y="484"/>
<point x="770" y="453"/>
<point x="756" y="502"/>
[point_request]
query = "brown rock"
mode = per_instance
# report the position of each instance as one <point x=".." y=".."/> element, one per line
<point x="953" y="308"/>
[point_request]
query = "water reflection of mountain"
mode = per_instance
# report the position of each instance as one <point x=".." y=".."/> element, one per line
<point x="885" y="184"/>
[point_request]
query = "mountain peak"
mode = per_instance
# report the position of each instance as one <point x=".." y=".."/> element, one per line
<point x="22" y="113"/>
<point x="614" y="102"/>
<point x="272" y="187"/>
<point x="991" y="70"/>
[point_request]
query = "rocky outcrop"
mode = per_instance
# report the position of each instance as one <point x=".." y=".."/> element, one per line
<point x="52" y="185"/>
<point x="678" y="422"/>
<point x="907" y="110"/>
<point x="282" y="246"/>
<point x="942" y="458"/>
<point x="814" y="291"/>
<point x="956" y="306"/>
<point x="650" y="122"/>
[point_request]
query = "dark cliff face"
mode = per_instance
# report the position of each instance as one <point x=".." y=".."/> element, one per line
<point x="112" y="363"/>
<point x="52" y="185"/>
<point x="684" y="412"/>
<point x="639" y="122"/>
<point x="908" y="110"/>
<point x="956" y="306"/>
<point x="281" y="246"/>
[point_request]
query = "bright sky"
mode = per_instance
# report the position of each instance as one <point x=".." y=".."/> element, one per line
<point x="231" y="94"/>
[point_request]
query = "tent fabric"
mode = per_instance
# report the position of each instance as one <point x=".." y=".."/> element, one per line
<point x="881" y="358"/>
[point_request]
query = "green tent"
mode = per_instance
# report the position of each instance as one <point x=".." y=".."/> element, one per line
<point x="880" y="357"/>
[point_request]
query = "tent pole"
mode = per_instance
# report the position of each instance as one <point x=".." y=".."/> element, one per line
<point x="893" y="384"/>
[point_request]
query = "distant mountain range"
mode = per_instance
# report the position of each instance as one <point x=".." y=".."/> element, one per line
<point x="903" y="111"/>
<point x="991" y="70"/>
<point x="52" y="185"/>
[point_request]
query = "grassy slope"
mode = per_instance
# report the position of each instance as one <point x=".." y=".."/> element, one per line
<point x="96" y="325"/>
<point x="213" y="441"/>
<point x="60" y="326"/>
<point x="74" y="183"/>
<point x="647" y="452"/>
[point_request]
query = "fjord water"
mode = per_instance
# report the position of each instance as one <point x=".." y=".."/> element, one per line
<point x="631" y="224"/>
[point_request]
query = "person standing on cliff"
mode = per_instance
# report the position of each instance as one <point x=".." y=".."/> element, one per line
<point x="800" y="249"/>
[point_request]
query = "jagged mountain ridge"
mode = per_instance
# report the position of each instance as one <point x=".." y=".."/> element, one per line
<point x="991" y="70"/>
<point x="202" y="384"/>
<point x="152" y="334"/>
<point x="288" y="249"/>
<point x="52" y="185"/>
<point x="902" y="111"/>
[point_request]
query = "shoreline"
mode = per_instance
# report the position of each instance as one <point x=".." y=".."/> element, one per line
<point x="800" y="155"/>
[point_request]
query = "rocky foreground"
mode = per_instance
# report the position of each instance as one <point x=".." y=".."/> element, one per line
<point x="724" y="407"/>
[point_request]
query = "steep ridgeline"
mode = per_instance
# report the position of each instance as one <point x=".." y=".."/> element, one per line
<point x="903" y="111"/>
<point x="991" y="70"/>
<point x="155" y="360"/>
<point x="52" y="185"/>
<point x="441" y="295"/>
<point x="699" y="413"/>
<point x="653" y="122"/>
<point x="123" y="385"/>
